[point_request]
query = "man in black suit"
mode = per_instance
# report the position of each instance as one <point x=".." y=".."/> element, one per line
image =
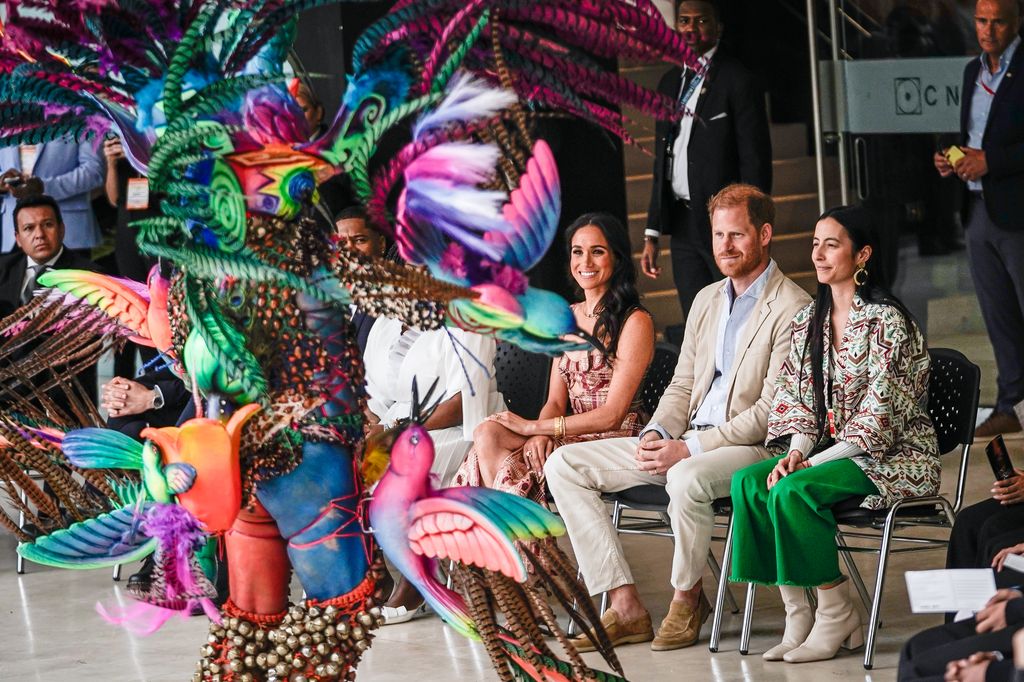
<point x="725" y="140"/>
<point x="990" y="161"/>
<point x="354" y="233"/>
<point x="39" y="236"/>
<point x="39" y="240"/>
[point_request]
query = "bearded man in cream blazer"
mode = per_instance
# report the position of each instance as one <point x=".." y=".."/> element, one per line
<point x="712" y="421"/>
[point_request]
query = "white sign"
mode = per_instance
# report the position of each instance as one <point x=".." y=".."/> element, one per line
<point x="893" y="95"/>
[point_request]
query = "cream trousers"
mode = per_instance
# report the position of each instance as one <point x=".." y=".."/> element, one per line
<point x="578" y="474"/>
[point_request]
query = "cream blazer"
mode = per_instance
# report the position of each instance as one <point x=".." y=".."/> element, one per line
<point x="761" y="351"/>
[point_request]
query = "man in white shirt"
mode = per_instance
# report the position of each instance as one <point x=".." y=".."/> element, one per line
<point x="723" y="138"/>
<point x="710" y="422"/>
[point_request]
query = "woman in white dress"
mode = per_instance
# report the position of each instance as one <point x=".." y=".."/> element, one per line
<point x="463" y="365"/>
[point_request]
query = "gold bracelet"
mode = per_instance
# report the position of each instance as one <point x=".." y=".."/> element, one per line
<point x="560" y="428"/>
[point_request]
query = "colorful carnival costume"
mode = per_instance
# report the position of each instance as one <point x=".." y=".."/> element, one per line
<point x="254" y="312"/>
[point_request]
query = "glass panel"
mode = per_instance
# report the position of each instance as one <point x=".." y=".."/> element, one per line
<point x="917" y="210"/>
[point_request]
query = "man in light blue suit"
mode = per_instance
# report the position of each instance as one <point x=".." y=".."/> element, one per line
<point x="69" y="171"/>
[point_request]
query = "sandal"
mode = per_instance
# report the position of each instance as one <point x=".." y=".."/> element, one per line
<point x="393" y="615"/>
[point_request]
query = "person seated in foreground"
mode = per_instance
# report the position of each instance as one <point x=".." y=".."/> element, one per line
<point x="509" y="450"/>
<point x="39" y="238"/>
<point x="711" y="421"/>
<point x="155" y="399"/>
<point x="850" y="417"/>
<point x="983" y="530"/>
<point x="979" y="649"/>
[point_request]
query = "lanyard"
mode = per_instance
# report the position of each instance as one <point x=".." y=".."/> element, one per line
<point x="694" y="83"/>
<point x="990" y="91"/>
<point x="830" y="413"/>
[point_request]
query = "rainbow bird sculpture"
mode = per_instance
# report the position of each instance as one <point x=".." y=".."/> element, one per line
<point x="258" y="300"/>
<point x="504" y="559"/>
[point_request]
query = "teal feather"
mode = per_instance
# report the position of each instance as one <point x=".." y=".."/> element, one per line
<point x="104" y="541"/>
<point x="95" y="448"/>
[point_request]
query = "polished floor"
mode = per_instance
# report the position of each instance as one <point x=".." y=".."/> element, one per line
<point x="49" y="631"/>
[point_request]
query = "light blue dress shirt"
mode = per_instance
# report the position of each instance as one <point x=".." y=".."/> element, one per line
<point x="981" y="101"/>
<point x="732" y="319"/>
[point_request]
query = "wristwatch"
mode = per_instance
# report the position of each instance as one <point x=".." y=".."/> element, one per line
<point x="158" y="399"/>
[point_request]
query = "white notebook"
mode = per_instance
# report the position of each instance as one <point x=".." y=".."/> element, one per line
<point x="961" y="589"/>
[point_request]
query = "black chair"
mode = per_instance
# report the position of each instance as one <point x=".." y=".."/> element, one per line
<point x="953" y="389"/>
<point x="658" y="376"/>
<point x="522" y="378"/>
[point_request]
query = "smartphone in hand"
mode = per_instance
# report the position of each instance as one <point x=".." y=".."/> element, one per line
<point x="999" y="459"/>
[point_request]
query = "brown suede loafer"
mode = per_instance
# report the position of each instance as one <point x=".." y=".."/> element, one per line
<point x="681" y="627"/>
<point x="629" y="632"/>
<point x="997" y="422"/>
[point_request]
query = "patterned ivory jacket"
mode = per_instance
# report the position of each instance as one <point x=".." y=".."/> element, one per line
<point x="879" y="395"/>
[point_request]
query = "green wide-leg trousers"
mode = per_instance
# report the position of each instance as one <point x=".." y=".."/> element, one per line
<point x="786" y="535"/>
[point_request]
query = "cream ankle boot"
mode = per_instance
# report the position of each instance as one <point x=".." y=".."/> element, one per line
<point x="836" y="623"/>
<point x="799" y="620"/>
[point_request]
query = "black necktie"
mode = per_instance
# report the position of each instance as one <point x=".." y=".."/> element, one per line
<point x="30" y="285"/>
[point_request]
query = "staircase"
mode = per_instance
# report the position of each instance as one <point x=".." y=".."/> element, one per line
<point x="794" y="190"/>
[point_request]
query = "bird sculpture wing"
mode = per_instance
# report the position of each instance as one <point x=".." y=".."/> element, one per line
<point x="124" y="301"/>
<point x="480" y="527"/>
<point x="100" y="542"/>
<point x="532" y="211"/>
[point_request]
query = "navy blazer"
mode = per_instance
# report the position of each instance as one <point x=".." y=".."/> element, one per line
<point x="729" y="141"/>
<point x="1002" y="141"/>
<point x="69" y="171"/>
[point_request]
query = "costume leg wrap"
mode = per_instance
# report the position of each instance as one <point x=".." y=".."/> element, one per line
<point x="258" y="570"/>
<point x="315" y="507"/>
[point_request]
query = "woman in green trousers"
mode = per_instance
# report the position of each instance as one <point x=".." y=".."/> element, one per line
<point x="850" y="417"/>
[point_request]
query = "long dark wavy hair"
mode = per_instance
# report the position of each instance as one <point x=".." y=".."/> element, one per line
<point x="859" y="225"/>
<point x="621" y="298"/>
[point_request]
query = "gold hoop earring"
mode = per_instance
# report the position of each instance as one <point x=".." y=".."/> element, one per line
<point x="860" y="277"/>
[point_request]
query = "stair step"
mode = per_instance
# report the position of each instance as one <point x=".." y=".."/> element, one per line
<point x="664" y="307"/>
<point x="789" y="140"/>
<point x="795" y="213"/>
<point x="798" y="175"/>
<point x="789" y="176"/>
<point x="793" y="251"/>
<point x="664" y="281"/>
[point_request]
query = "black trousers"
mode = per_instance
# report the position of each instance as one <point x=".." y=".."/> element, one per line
<point x="693" y="262"/>
<point x="996" y="258"/>
<point x="981" y="530"/>
<point x="926" y="654"/>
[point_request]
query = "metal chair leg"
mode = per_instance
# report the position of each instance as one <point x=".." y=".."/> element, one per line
<point x="851" y="568"/>
<point x="748" y="617"/>
<point x="117" y="573"/>
<point x="876" y="602"/>
<point x="716" y="569"/>
<point x="21" y="524"/>
<point x="570" y="630"/>
<point x="723" y="590"/>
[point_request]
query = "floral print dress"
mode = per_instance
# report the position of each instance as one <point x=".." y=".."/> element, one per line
<point x="588" y="377"/>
